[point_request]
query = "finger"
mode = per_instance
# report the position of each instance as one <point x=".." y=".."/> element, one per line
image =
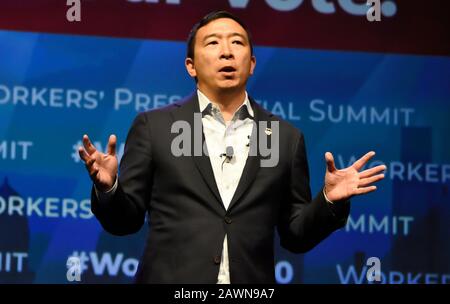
<point x="365" y="190"/>
<point x="91" y="167"/>
<point x="112" y="142"/>
<point x="330" y="162"/>
<point x="373" y="179"/>
<point x="88" y="145"/>
<point x="372" y="171"/>
<point x="93" y="173"/>
<point x="83" y="154"/>
<point x="89" y="163"/>
<point x="363" y="160"/>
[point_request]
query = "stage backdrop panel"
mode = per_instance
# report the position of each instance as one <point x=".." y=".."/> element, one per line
<point x="55" y="87"/>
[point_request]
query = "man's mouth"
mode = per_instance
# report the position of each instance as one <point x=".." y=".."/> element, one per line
<point x="227" y="69"/>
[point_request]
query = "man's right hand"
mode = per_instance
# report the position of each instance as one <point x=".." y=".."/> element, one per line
<point x="102" y="168"/>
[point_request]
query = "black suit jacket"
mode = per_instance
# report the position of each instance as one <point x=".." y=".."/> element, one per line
<point x="187" y="217"/>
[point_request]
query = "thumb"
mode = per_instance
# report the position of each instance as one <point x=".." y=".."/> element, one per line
<point x="330" y="162"/>
<point x="112" y="142"/>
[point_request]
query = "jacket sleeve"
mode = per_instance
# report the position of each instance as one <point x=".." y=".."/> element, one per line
<point x="303" y="223"/>
<point x="124" y="212"/>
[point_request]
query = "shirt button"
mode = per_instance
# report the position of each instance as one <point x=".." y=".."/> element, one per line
<point x="227" y="220"/>
<point x="217" y="259"/>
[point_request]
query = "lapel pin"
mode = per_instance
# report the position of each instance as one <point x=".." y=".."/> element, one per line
<point x="268" y="131"/>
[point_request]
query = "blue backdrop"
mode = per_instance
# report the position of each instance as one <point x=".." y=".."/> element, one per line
<point x="55" y="88"/>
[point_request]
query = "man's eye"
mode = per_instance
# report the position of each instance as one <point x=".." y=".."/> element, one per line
<point x="211" y="42"/>
<point x="237" y="42"/>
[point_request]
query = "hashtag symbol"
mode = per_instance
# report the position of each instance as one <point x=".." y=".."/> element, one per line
<point x="83" y="259"/>
<point x="75" y="156"/>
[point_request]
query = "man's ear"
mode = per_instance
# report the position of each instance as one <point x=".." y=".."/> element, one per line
<point x="190" y="67"/>
<point x="252" y="64"/>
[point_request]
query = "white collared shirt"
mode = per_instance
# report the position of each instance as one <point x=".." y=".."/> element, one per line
<point x="219" y="135"/>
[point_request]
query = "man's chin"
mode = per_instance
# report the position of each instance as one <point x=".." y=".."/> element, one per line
<point x="229" y="85"/>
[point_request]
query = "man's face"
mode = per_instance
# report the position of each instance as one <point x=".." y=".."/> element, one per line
<point x="222" y="60"/>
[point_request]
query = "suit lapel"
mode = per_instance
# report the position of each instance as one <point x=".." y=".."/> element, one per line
<point x="185" y="112"/>
<point x="253" y="163"/>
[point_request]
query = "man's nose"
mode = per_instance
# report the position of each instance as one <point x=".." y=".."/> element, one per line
<point x="226" y="53"/>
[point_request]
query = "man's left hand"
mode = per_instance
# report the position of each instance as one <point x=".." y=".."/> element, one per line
<point x="345" y="183"/>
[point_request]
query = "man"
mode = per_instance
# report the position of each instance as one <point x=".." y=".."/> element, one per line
<point x="213" y="216"/>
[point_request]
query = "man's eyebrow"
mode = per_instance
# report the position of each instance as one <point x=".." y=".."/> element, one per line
<point x="210" y="36"/>
<point x="219" y="35"/>
<point x="239" y="34"/>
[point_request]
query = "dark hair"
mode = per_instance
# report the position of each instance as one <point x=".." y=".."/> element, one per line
<point x="209" y="18"/>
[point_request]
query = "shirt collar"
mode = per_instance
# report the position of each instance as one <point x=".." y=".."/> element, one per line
<point x="204" y="102"/>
